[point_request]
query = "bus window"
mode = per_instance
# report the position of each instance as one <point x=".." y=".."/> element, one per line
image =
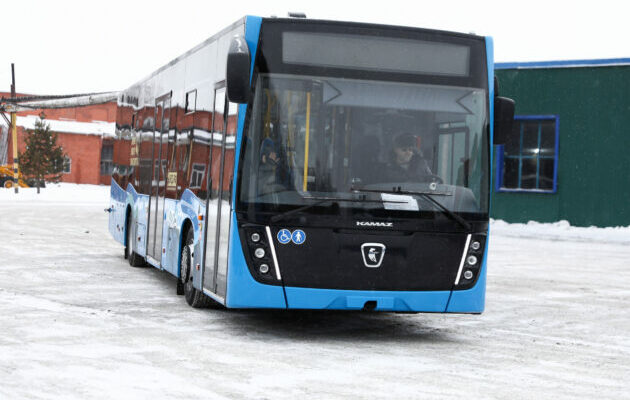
<point x="145" y="155"/>
<point x="325" y="137"/>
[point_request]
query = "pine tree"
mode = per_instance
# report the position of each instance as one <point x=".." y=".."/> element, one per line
<point x="43" y="159"/>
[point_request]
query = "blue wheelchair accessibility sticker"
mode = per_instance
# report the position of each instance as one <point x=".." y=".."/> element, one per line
<point x="298" y="236"/>
<point x="284" y="236"/>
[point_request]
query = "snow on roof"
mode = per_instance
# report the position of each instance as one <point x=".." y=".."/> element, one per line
<point x="69" y="101"/>
<point x="100" y="128"/>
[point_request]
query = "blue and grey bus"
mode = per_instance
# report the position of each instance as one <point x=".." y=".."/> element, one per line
<point x="292" y="163"/>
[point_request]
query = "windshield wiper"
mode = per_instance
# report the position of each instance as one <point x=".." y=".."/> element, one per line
<point x="425" y="196"/>
<point x="322" y="200"/>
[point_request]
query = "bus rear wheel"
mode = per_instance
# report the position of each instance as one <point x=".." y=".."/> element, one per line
<point x="194" y="297"/>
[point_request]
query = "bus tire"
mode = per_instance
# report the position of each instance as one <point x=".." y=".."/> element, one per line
<point x="194" y="297"/>
<point x="135" y="260"/>
<point x="128" y="238"/>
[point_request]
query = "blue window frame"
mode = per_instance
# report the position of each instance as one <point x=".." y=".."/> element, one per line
<point x="528" y="161"/>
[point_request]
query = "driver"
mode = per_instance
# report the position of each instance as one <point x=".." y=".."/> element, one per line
<point x="406" y="161"/>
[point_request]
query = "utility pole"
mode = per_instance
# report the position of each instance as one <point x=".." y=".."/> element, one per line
<point x="14" y="132"/>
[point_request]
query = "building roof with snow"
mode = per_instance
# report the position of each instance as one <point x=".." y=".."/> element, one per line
<point x="100" y="128"/>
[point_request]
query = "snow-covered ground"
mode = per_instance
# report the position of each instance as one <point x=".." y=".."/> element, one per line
<point x="76" y="322"/>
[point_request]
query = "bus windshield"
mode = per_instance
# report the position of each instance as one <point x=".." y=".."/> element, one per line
<point x="312" y="137"/>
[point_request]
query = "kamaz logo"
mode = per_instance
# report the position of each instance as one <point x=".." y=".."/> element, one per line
<point x="373" y="254"/>
<point x="378" y="224"/>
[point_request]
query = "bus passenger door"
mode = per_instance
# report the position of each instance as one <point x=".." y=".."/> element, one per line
<point x="228" y="145"/>
<point x="209" y="281"/>
<point x="158" y="180"/>
<point x="222" y="172"/>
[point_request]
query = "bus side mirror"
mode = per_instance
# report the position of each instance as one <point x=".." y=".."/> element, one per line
<point x="503" y="118"/>
<point x="238" y="64"/>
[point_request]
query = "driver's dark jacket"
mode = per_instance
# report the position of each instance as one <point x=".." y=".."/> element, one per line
<point x="418" y="170"/>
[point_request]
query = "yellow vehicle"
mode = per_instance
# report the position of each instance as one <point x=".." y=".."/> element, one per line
<point x="6" y="177"/>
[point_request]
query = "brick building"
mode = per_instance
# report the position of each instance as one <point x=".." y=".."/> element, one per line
<point x="85" y="134"/>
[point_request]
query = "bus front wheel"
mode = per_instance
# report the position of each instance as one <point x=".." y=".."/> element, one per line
<point x="194" y="297"/>
<point x="135" y="260"/>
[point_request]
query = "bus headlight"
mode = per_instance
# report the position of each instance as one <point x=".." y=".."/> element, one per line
<point x="255" y="237"/>
<point x="263" y="268"/>
<point x="470" y="265"/>
<point x="259" y="252"/>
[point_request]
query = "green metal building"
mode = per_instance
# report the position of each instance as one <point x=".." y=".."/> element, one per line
<point x="568" y="157"/>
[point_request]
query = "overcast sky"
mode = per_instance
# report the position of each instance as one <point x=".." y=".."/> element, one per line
<point x="62" y="47"/>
